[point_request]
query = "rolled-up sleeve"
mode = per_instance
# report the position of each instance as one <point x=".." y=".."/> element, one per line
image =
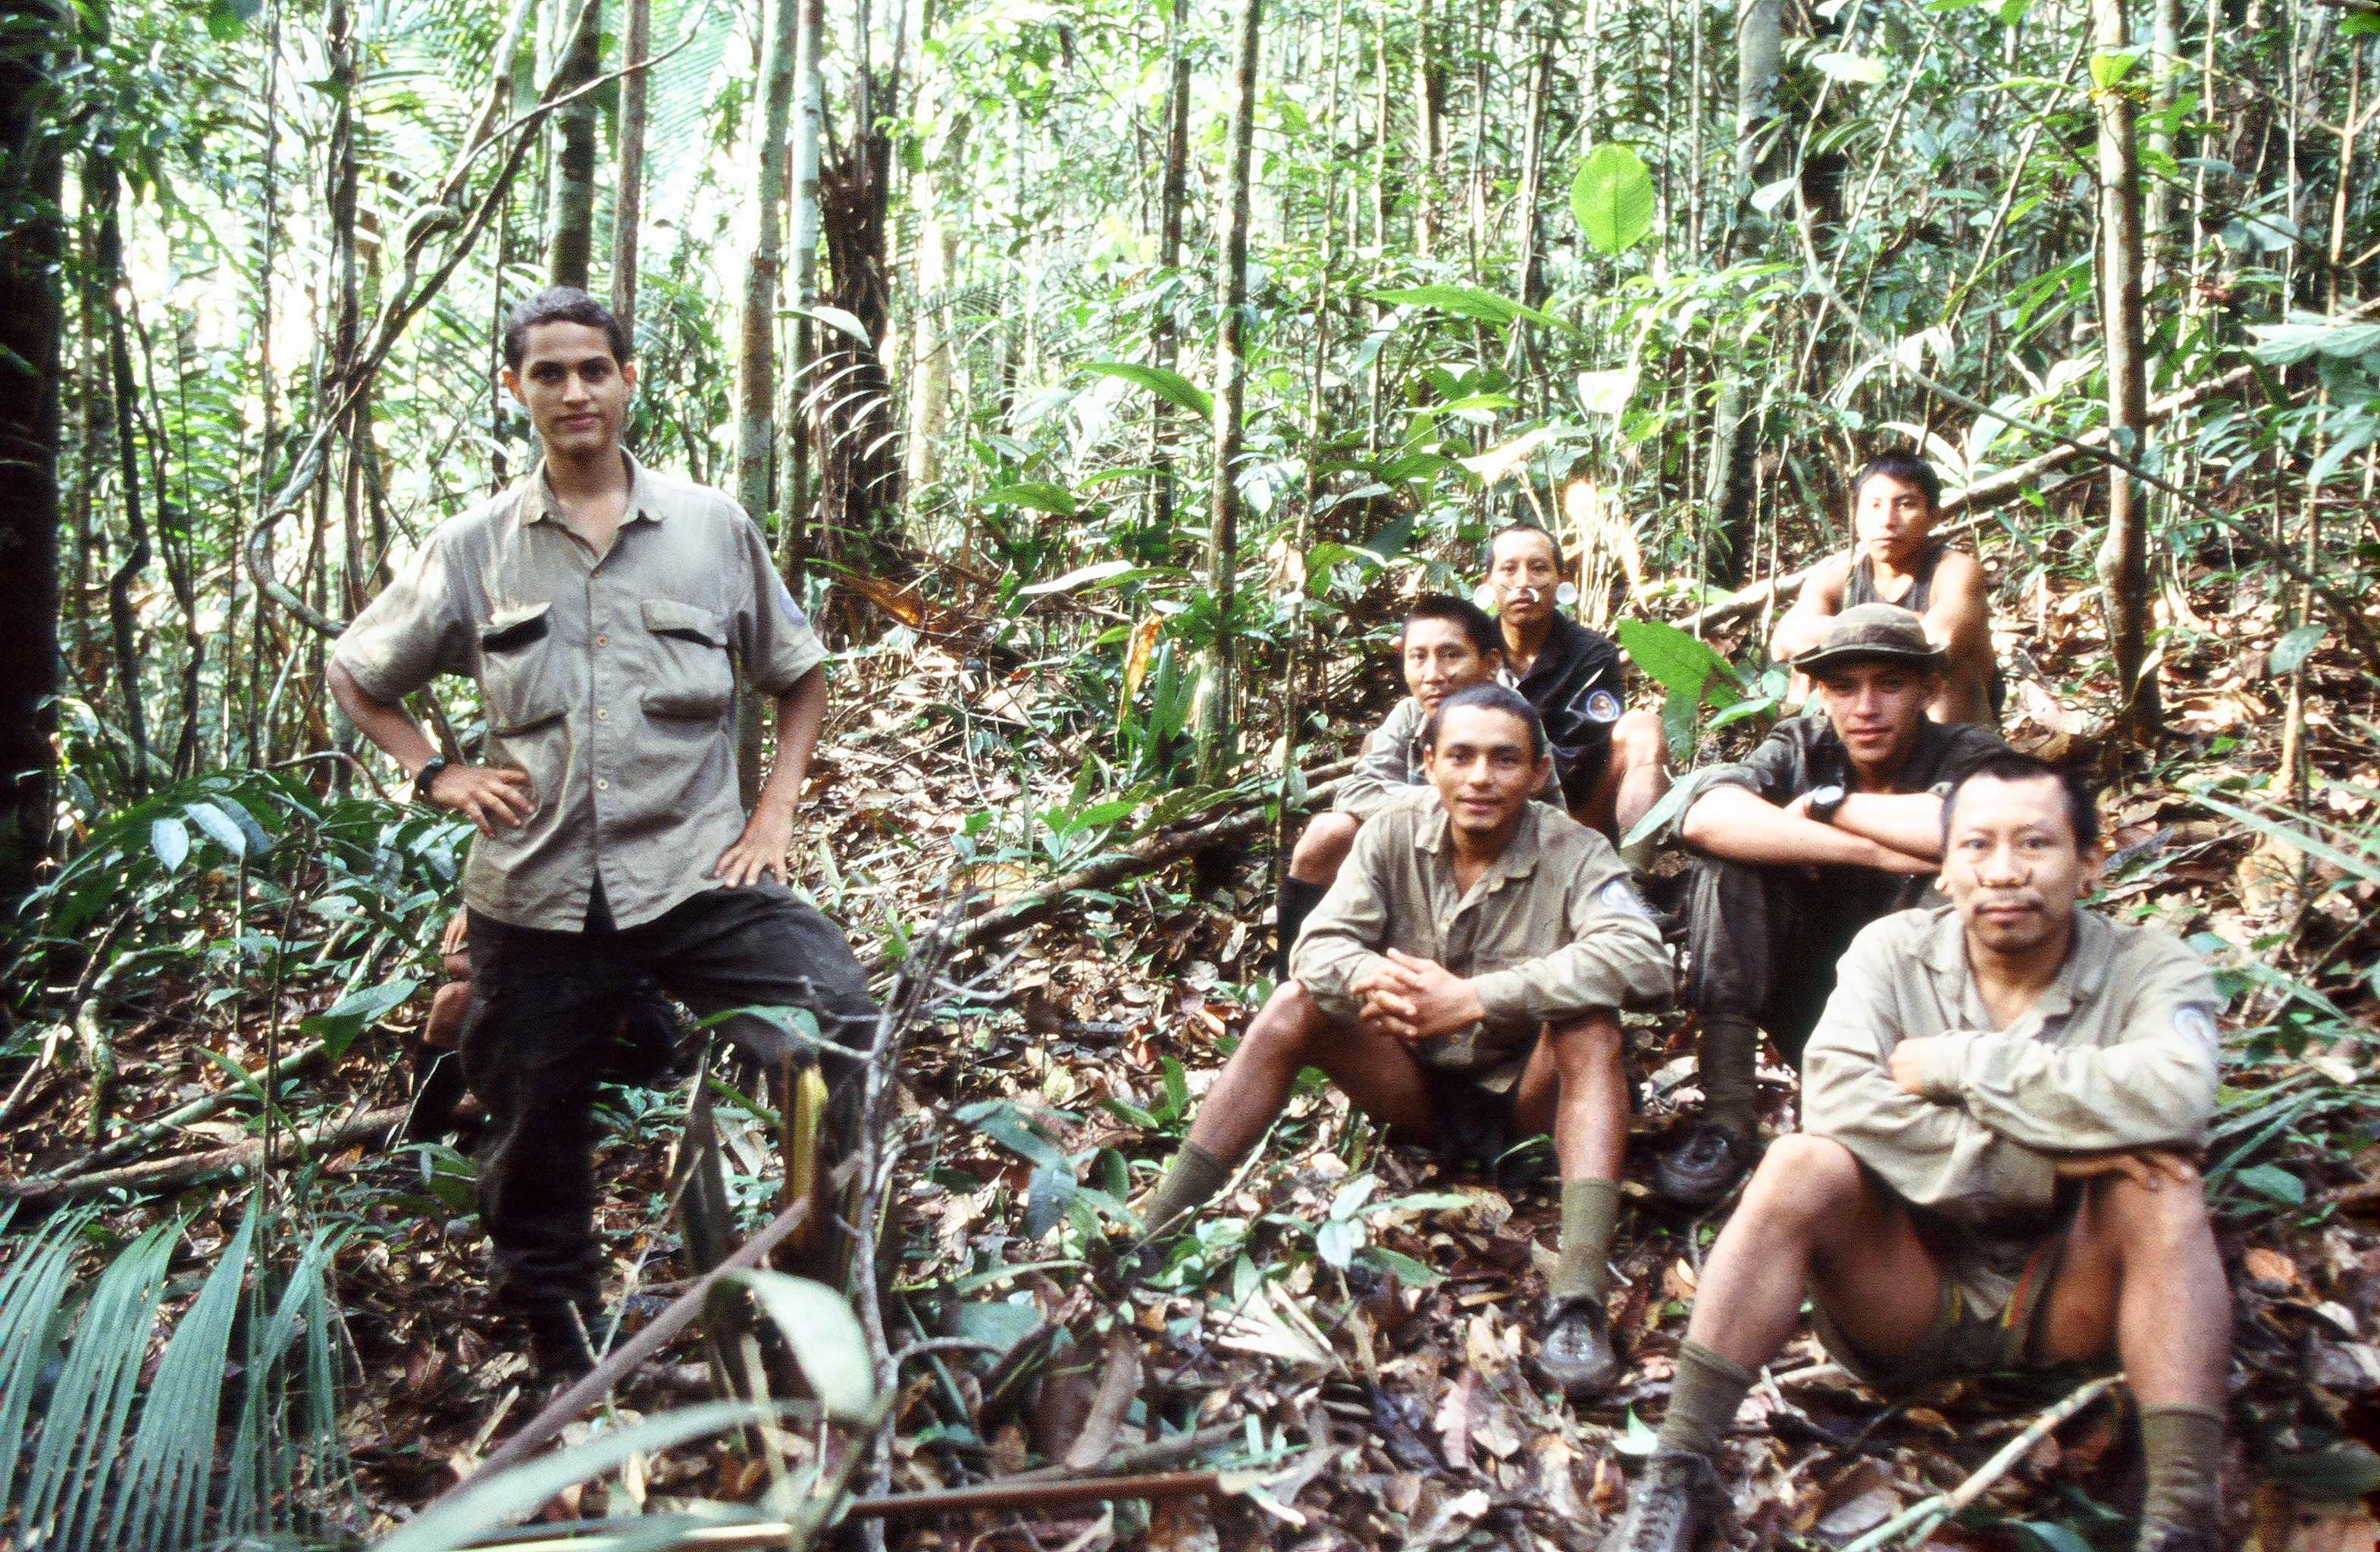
<point x="1342" y="940"/>
<point x="413" y="632"/>
<point x="1933" y="1155"/>
<point x="2153" y="1085"/>
<point x="773" y="639"/>
<point x="1614" y="959"/>
<point x="1380" y="772"/>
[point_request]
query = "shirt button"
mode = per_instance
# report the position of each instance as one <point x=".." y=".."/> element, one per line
<point x="602" y="784"/>
<point x="601" y="715"/>
<point x="603" y="641"/>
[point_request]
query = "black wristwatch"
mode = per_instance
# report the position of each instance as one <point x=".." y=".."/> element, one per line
<point x="1827" y="802"/>
<point x="427" y="775"/>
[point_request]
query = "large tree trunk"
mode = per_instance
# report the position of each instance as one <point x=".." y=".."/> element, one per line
<point x="2123" y="553"/>
<point x="1430" y="131"/>
<point x="810" y="110"/>
<point x="1217" y="743"/>
<point x="628" y="200"/>
<point x="1165" y="344"/>
<point x="929" y="369"/>
<point x="858" y="446"/>
<point x="571" y="230"/>
<point x="32" y="180"/>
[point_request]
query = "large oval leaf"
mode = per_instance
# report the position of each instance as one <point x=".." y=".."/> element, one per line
<point x="1171" y="386"/>
<point x="170" y="839"/>
<point x="1612" y="197"/>
<point x="824" y="1335"/>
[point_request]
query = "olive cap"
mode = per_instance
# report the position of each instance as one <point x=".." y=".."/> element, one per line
<point x="1871" y="632"/>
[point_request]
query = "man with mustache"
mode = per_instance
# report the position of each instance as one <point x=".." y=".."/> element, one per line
<point x="2000" y="1110"/>
<point x="604" y="611"/>
<point x="1894" y="558"/>
<point x="1613" y="762"/>
<point x="1462" y="984"/>
<point x="1833" y="821"/>
<point x="1447" y="644"/>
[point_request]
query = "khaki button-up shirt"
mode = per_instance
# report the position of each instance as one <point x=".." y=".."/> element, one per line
<point x="1390" y="764"/>
<point x="607" y="678"/>
<point x="2120" y="1052"/>
<point x="1551" y="930"/>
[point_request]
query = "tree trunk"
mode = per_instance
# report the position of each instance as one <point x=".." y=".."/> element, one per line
<point x="1164" y="344"/>
<point x="2166" y="65"/>
<point x="1429" y="132"/>
<point x="929" y="370"/>
<point x="32" y="180"/>
<point x="810" y="109"/>
<point x="571" y="230"/>
<point x="1590" y="82"/>
<point x="628" y="200"/>
<point x="1217" y="752"/>
<point x="2123" y="553"/>
<point x="1761" y="154"/>
<point x="1533" y="175"/>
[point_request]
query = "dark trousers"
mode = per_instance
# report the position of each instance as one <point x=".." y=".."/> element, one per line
<point x="1762" y="941"/>
<point x="543" y="1008"/>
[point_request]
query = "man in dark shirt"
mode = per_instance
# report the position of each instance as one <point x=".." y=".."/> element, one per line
<point x="1833" y="821"/>
<point x="1613" y="762"/>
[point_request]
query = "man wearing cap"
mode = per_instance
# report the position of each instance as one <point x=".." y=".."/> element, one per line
<point x="1613" y="762"/>
<point x="603" y="610"/>
<point x="1462" y="984"/>
<point x="2001" y="1108"/>
<point x="1896" y="559"/>
<point x="1831" y="822"/>
<point x="1447" y="644"/>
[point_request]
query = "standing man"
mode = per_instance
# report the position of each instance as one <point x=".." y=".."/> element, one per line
<point x="1896" y="559"/>
<point x="1613" y="762"/>
<point x="1830" y="823"/>
<point x="597" y="605"/>
<point x="1462" y="984"/>
<point x="1999" y="1112"/>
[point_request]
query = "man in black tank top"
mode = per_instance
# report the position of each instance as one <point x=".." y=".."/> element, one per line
<point x="1896" y="559"/>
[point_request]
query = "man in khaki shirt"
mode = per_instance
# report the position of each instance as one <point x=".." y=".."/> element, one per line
<point x="598" y="604"/>
<point x="2001" y="1104"/>
<point x="1461" y="983"/>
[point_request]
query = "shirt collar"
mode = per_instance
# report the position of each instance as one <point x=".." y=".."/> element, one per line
<point x="2080" y="979"/>
<point x="1519" y="858"/>
<point x="538" y="504"/>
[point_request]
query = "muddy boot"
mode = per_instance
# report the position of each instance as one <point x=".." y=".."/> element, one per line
<point x="1574" y="1347"/>
<point x="1700" y="1171"/>
<point x="1724" y="1144"/>
<point x="1674" y="1508"/>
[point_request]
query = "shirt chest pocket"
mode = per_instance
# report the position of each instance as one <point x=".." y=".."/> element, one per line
<point x="521" y="677"/>
<point x="691" y="676"/>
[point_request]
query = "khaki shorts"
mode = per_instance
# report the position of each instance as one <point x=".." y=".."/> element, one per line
<point x="1965" y="1340"/>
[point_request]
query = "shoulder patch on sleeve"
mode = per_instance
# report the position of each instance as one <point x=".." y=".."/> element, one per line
<point x="2196" y="1024"/>
<point x="1621" y="896"/>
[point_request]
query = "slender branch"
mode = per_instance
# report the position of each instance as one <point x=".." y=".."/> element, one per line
<point x="1922" y="1517"/>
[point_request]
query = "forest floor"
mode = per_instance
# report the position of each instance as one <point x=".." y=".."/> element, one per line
<point x="1359" y="1317"/>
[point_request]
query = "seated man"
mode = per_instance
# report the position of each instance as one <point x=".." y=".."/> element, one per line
<point x="1613" y="762"/>
<point x="1447" y="644"/>
<point x="1993" y="1170"/>
<point x="1896" y="559"/>
<point x="1461" y="983"/>
<point x="1833" y="821"/>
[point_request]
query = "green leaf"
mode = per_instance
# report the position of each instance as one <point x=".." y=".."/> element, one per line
<point x="2272" y="1181"/>
<point x="1171" y="386"/>
<point x="1464" y="301"/>
<point x="170" y="839"/>
<point x="1076" y="577"/>
<point x="337" y="1025"/>
<point x="227" y="19"/>
<point x="2052" y="1537"/>
<point x="838" y="320"/>
<point x="823" y="1334"/>
<point x="220" y="827"/>
<point x="1612" y="197"/>
<point x="2360" y="24"/>
<point x="1337" y="1241"/>
<point x="1038" y="494"/>
<point x="2295" y="647"/>
<point x="1679" y="662"/>
<point x="1672" y="802"/>
<point x="1854" y="69"/>
<point x="1047" y="1196"/>
<point x="2107" y="69"/>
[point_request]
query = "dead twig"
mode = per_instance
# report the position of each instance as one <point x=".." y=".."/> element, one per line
<point x="1919" y="1519"/>
<point x="187" y="1167"/>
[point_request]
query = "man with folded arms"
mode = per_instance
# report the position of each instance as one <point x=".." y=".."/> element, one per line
<point x="1462" y="984"/>
<point x="2001" y="1106"/>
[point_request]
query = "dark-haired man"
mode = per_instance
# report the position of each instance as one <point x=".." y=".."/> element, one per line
<point x="1613" y="762"/>
<point x="1462" y="984"/>
<point x="1446" y="644"/>
<point x="1831" y="822"/>
<point x="1896" y="559"/>
<point x="1999" y="1110"/>
<point x="603" y="610"/>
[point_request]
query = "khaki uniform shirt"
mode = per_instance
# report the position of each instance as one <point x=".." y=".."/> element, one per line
<point x="1552" y="930"/>
<point x="2120" y="1052"/>
<point x="606" y="678"/>
<point x="1392" y="764"/>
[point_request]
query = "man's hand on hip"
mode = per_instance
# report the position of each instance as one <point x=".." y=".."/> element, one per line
<point x="760" y="850"/>
<point x="488" y="795"/>
<point x="1417" y="998"/>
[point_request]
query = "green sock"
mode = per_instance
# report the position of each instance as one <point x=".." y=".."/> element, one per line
<point x="1194" y="1177"/>
<point x="1590" y="1212"/>
<point x="1703" y="1398"/>
<point x="2183" y="1447"/>
<point x="1723" y="1060"/>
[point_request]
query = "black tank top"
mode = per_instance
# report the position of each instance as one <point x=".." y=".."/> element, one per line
<point x="1860" y="587"/>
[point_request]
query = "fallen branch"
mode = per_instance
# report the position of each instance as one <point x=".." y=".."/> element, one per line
<point x="198" y="1110"/>
<point x="1919" y="1519"/>
<point x="189" y="1166"/>
<point x="1030" y="1495"/>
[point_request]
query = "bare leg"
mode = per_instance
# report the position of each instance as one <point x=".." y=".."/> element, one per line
<point x="1375" y="1071"/>
<point x="1812" y="1215"/>
<point x="1576" y="1086"/>
<point x="1640" y="753"/>
<point x="1322" y="847"/>
<point x="2141" y="1273"/>
<point x="1967" y="676"/>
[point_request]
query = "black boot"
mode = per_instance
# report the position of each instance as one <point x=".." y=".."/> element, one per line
<point x="1674" y="1507"/>
<point x="1574" y="1347"/>
<point x="1298" y="900"/>
<point x="1703" y="1168"/>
